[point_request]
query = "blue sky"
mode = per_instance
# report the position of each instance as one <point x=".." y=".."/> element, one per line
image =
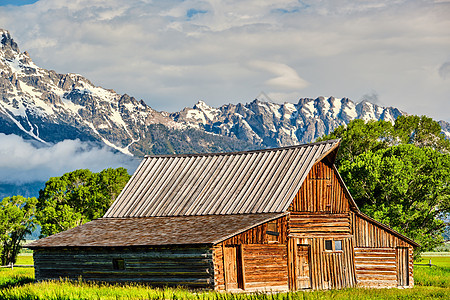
<point x="172" y="53"/>
<point x="16" y="2"/>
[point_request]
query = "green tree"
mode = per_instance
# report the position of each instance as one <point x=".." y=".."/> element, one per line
<point x="405" y="187"/>
<point x="398" y="173"/>
<point x="78" y="197"/>
<point x="16" y="221"/>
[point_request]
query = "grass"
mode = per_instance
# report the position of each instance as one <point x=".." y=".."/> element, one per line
<point x="431" y="283"/>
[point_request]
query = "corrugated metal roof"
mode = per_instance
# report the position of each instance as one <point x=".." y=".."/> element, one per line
<point x="132" y="232"/>
<point x="260" y="181"/>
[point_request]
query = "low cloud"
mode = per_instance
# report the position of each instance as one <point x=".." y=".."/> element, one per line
<point x="285" y="77"/>
<point x="22" y="162"/>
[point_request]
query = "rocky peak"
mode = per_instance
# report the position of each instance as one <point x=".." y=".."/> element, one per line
<point x="9" y="47"/>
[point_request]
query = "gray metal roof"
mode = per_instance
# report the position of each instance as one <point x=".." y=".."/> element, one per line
<point x="134" y="232"/>
<point x="260" y="181"/>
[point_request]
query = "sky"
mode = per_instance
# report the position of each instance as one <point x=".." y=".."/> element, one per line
<point x="173" y="53"/>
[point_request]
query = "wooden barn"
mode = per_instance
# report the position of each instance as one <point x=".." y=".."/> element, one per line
<point x="275" y="219"/>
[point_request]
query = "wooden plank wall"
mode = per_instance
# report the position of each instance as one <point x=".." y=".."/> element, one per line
<point x="372" y="237"/>
<point x="376" y="267"/>
<point x="257" y="235"/>
<point x="321" y="192"/>
<point x="319" y="224"/>
<point x="329" y="269"/>
<point x="252" y="240"/>
<point x="368" y="234"/>
<point x="163" y="266"/>
<point x="265" y="267"/>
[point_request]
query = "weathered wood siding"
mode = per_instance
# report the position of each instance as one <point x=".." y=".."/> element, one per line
<point x="376" y="267"/>
<point x="321" y="192"/>
<point x="368" y="234"/>
<point x="263" y="257"/>
<point x="190" y="266"/>
<point x="329" y="269"/>
<point x="319" y="224"/>
<point x="258" y="234"/>
<point x="377" y="253"/>
<point x="265" y="267"/>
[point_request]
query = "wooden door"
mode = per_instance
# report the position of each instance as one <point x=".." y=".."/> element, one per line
<point x="232" y="259"/>
<point x="303" y="267"/>
<point x="402" y="266"/>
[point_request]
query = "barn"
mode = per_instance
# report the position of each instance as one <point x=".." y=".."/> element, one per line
<point x="275" y="219"/>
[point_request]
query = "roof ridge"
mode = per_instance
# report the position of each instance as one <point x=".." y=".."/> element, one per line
<point x="243" y="152"/>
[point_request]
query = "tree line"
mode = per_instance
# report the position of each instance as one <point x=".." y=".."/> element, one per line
<point x="66" y="202"/>
<point x="398" y="173"/>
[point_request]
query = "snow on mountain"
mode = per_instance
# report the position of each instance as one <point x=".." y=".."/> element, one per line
<point x="47" y="107"/>
<point x="35" y="99"/>
<point x="272" y="124"/>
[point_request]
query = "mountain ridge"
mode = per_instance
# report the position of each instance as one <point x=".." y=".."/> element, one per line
<point x="47" y="107"/>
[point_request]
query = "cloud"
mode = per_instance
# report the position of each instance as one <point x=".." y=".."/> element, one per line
<point x="285" y="76"/>
<point x="173" y="53"/>
<point x="444" y="70"/>
<point x="22" y="162"/>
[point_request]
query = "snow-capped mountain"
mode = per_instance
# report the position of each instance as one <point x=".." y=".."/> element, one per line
<point x="48" y="107"/>
<point x="271" y="124"/>
<point x="42" y="105"/>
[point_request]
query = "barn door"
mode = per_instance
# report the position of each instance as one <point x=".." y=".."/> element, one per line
<point x="232" y="259"/>
<point x="303" y="267"/>
<point x="402" y="266"/>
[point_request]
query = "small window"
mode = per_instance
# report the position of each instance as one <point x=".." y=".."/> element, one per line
<point x="272" y="232"/>
<point x="329" y="245"/>
<point x="337" y="245"/>
<point x="118" y="264"/>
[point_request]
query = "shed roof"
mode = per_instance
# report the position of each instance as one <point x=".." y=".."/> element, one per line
<point x="152" y="231"/>
<point x="260" y="181"/>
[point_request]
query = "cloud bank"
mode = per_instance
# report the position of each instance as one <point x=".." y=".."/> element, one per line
<point x="173" y="53"/>
<point x="22" y="162"/>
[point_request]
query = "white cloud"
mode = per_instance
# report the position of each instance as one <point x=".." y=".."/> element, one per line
<point x="172" y="53"/>
<point x="285" y="76"/>
<point x="22" y="162"/>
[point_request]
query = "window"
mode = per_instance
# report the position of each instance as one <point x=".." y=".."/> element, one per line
<point x="333" y="245"/>
<point x="329" y="245"/>
<point x="338" y="245"/>
<point x="118" y="264"/>
<point x="272" y="232"/>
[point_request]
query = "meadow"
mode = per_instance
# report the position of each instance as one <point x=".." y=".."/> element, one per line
<point x="430" y="283"/>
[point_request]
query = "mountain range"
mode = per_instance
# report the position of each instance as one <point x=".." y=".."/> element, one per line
<point x="46" y="107"/>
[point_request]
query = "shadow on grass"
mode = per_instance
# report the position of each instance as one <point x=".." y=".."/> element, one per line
<point x="15" y="282"/>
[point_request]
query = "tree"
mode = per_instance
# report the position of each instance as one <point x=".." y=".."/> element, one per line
<point x="398" y="173"/>
<point x="78" y="197"/>
<point x="405" y="187"/>
<point x="16" y="221"/>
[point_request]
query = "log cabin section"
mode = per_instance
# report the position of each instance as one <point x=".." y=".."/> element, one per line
<point x="264" y="220"/>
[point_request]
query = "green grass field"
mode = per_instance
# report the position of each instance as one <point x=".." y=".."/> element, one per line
<point x="430" y="283"/>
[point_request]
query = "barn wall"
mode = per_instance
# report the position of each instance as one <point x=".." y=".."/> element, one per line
<point x="321" y="192"/>
<point x="190" y="266"/>
<point x="376" y="254"/>
<point x="258" y="234"/>
<point x="264" y="257"/>
<point x="265" y="267"/>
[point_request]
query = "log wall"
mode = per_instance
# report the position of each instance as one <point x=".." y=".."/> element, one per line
<point x="265" y="267"/>
<point x="376" y="267"/>
<point x="321" y="192"/>
<point x="190" y="266"/>
<point x="319" y="224"/>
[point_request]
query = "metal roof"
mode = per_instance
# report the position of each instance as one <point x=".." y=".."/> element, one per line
<point x="260" y="181"/>
<point x="135" y="232"/>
